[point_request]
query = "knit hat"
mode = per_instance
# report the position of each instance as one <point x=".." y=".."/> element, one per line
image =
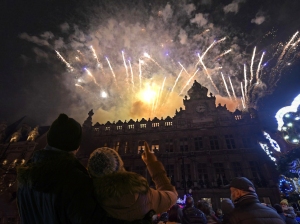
<point x="104" y="161"/>
<point x="65" y="133"/>
<point x="242" y="183"/>
<point x="284" y="202"/>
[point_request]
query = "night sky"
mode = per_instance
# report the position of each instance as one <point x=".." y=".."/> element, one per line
<point x="36" y="83"/>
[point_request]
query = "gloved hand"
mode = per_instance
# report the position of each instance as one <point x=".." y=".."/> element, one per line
<point x="148" y="156"/>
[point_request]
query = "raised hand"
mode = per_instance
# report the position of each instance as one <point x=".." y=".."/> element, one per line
<point x="147" y="155"/>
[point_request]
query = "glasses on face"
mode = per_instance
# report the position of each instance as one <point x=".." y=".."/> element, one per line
<point x="283" y="205"/>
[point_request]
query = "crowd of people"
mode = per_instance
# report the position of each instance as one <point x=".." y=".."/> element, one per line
<point x="54" y="187"/>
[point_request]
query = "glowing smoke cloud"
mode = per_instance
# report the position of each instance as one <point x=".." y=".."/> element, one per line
<point x="161" y="33"/>
<point x="280" y="114"/>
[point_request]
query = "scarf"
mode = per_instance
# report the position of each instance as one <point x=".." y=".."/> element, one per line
<point x="250" y="195"/>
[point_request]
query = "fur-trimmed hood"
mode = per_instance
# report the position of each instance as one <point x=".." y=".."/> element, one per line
<point x="48" y="169"/>
<point x="118" y="184"/>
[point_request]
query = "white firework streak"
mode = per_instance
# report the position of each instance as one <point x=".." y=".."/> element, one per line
<point x="91" y="75"/>
<point x="140" y="73"/>
<point x="189" y="81"/>
<point x="287" y="46"/>
<point x="221" y="55"/>
<point x="96" y="57"/>
<point x="243" y="103"/>
<point x="209" y="47"/>
<point x="233" y="92"/>
<point x="176" y="80"/>
<point x="183" y="68"/>
<point x="258" y="67"/>
<point x="160" y="93"/>
<point x="251" y="66"/>
<point x="112" y="71"/>
<point x="245" y="77"/>
<point x="64" y="61"/>
<point x="243" y="98"/>
<point x="207" y="73"/>
<point x="125" y="65"/>
<point x="226" y="86"/>
<point x="132" y="81"/>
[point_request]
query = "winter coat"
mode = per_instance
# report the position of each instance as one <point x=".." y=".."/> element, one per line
<point x="54" y="188"/>
<point x="290" y="216"/>
<point x="251" y="211"/>
<point x="192" y="215"/>
<point x="127" y="195"/>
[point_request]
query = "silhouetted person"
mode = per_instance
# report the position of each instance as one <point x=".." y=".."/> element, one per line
<point x="191" y="214"/>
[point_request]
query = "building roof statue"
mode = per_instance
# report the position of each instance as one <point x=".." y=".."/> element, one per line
<point x="197" y="91"/>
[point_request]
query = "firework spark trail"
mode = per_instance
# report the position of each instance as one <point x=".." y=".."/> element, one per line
<point x="183" y="68"/>
<point x="243" y="103"/>
<point x="132" y="81"/>
<point x="64" y="61"/>
<point x="251" y="66"/>
<point x="226" y="86"/>
<point x="233" y="92"/>
<point x="287" y="46"/>
<point x="112" y="71"/>
<point x="155" y="62"/>
<point x="125" y="65"/>
<point x="96" y="57"/>
<point x="160" y="93"/>
<point x="176" y="80"/>
<point x="140" y="72"/>
<point x="189" y="81"/>
<point x="91" y="75"/>
<point x="209" y="47"/>
<point x="207" y="73"/>
<point x="243" y="95"/>
<point x="221" y="55"/>
<point x="258" y="68"/>
<point x="245" y="77"/>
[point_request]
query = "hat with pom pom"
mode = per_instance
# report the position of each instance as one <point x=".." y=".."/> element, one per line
<point x="104" y="161"/>
<point x="65" y="134"/>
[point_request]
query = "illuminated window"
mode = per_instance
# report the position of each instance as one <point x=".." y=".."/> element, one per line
<point x="238" y="117"/>
<point x="169" y="145"/>
<point x="119" y="127"/>
<point x="155" y="145"/>
<point x="141" y="147"/>
<point x="230" y="142"/>
<point x="155" y="125"/>
<point x="97" y="129"/>
<point x="107" y="128"/>
<point x="168" y="123"/>
<point x="198" y="143"/>
<point x="131" y="126"/>
<point x="143" y="125"/>
<point x="214" y="143"/>
<point x="183" y="142"/>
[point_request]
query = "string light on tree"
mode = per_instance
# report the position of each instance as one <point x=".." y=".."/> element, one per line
<point x="286" y="185"/>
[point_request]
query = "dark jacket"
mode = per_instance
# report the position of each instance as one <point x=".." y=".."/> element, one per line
<point x="54" y="188"/>
<point x="251" y="211"/>
<point x="192" y="215"/>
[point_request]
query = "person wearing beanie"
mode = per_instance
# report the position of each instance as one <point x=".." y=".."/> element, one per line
<point x="279" y="211"/>
<point x="227" y="207"/>
<point x="53" y="186"/>
<point x="288" y="212"/>
<point x="247" y="207"/>
<point x="191" y="214"/>
<point x="127" y="195"/>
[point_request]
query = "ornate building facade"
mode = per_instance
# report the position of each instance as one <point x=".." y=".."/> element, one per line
<point x="202" y="148"/>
